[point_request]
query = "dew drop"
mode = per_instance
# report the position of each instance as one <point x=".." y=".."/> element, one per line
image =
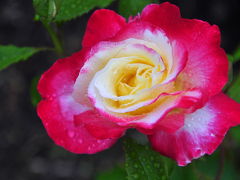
<point x="80" y="141"/>
<point x="73" y="6"/>
<point x="156" y="165"/>
<point x="135" y="176"/>
<point x="71" y="134"/>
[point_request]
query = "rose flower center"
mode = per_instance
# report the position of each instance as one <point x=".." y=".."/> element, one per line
<point x="135" y="77"/>
<point x="129" y="76"/>
<point x="132" y="76"/>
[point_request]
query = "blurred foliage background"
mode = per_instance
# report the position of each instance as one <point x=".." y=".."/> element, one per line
<point x="26" y="151"/>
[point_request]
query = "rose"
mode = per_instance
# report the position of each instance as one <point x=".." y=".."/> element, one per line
<point x="158" y="73"/>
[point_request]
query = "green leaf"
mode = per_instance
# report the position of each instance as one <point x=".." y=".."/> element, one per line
<point x="230" y="76"/>
<point x="73" y="8"/>
<point x="230" y="58"/>
<point x="132" y="7"/>
<point x="144" y="163"/>
<point x="208" y="167"/>
<point x="235" y="56"/>
<point x="46" y="10"/>
<point x="35" y="96"/>
<point x="235" y="133"/>
<point x="234" y="89"/>
<point x="184" y="173"/>
<point x="12" y="54"/>
<point x="117" y="173"/>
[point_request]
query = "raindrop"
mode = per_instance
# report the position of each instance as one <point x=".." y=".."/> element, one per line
<point x="156" y="165"/>
<point x="71" y="134"/>
<point x="135" y="176"/>
<point x="80" y="141"/>
<point x="73" y="6"/>
<point x="213" y="135"/>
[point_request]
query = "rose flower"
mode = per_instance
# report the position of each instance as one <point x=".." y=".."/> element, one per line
<point x="158" y="73"/>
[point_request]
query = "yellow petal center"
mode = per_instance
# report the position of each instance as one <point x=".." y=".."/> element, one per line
<point x="134" y="77"/>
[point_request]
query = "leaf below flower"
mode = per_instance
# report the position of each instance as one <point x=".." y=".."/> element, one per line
<point x="144" y="163"/>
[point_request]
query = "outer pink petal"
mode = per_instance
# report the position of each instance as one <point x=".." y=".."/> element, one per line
<point x="171" y="122"/>
<point x="202" y="133"/>
<point x="99" y="126"/>
<point x="207" y="62"/>
<point x="60" y="78"/>
<point x="58" y="119"/>
<point x="164" y="15"/>
<point x="102" y="25"/>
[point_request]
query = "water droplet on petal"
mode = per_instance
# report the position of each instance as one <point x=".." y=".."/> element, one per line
<point x="213" y="135"/>
<point x="71" y="134"/>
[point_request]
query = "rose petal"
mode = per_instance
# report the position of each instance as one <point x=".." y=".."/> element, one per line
<point x="202" y="132"/>
<point x="147" y="36"/>
<point x="102" y="25"/>
<point x="58" y="118"/>
<point x="164" y="15"/>
<point x="105" y="79"/>
<point x="180" y="57"/>
<point x="152" y="36"/>
<point x="171" y="122"/>
<point x="190" y="100"/>
<point x="60" y="78"/>
<point x="202" y="42"/>
<point x="99" y="56"/>
<point x="99" y="126"/>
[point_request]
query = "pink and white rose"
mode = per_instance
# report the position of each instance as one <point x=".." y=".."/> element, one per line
<point x="158" y="73"/>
